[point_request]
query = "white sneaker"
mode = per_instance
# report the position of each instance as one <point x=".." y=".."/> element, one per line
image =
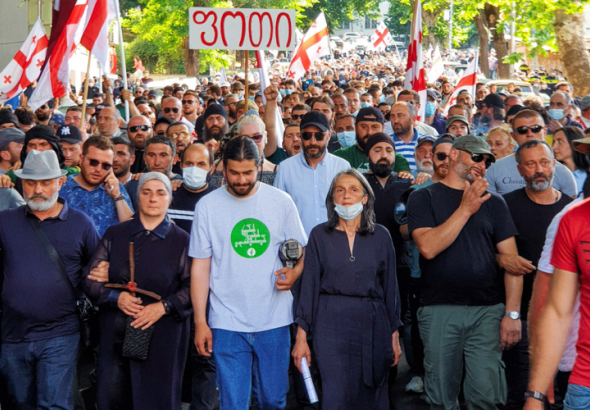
<point x="416" y="385"/>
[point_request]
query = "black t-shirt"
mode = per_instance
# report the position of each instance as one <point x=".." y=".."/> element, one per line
<point x="182" y="208"/>
<point x="532" y="221"/>
<point x="466" y="273"/>
<point x="385" y="200"/>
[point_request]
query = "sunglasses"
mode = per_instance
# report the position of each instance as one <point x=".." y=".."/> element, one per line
<point x="256" y="137"/>
<point x="161" y="133"/>
<point x="441" y="156"/>
<point x="477" y="158"/>
<point x="180" y="135"/>
<point x="189" y="102"/>
<point x="306" y="136"/>
<point x="135" y="128"/>
<point x="535" y="129"/>
<point x="174" y="110"/>
<point x="296" y="116"/>
<point x="105" y="165"/>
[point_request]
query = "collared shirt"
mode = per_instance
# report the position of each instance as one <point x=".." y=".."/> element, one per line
<point x="407" y="149"/>
<point x="37" y="303"/>
<point x="96" y="203"/>
<point x="308" y="187"/>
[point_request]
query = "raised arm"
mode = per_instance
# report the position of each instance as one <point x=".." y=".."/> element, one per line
<point x="270" y="119"/>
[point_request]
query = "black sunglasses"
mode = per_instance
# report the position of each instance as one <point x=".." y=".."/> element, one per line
<point x="479" y="158"/>
<point x="256" y="138"/>
<point x="441" y="156"/>
<point x="189" y="102"/>
<point x="296" y="116"/>
<point x="524" y="130"/>
<point x="306" y="136"/>
<point x="134" y="128"/>
<point x="168" y="109"/>
<point x="105" y="165"/>
<point x="161" y="133"/>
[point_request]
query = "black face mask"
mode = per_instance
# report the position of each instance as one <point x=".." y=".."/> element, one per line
<point x="381" y="170"/>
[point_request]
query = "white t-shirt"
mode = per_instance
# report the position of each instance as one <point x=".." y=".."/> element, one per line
<point x="242" y="236"/>
<point x="566" y="364"/>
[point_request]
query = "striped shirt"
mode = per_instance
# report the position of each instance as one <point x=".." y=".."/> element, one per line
<point x="182" y="208"/>
<point x="407" y="149"/>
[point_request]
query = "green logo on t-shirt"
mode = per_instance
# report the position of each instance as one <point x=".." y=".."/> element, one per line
<point x="250" y="238"/>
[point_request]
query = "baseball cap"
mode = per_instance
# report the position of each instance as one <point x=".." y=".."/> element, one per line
<point x="69" y="133"/>
<point x="425" y="138"/>
<point x="473" y="145"/>
<point x="317" y="119"/>
<point x="454" y="118"/>
<point x="493" y="100"/>
<point x="585" y="103"/>
<point x="433" y="94"/>
<point x="224" y="84"/>
<point x="441" y="140"/>
<point x="372" y="114"/>
<point x="57" y="119"/>
<point x="8" y="135"/>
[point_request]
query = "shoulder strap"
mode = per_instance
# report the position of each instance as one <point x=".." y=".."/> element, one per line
<point x="52" y="253"/>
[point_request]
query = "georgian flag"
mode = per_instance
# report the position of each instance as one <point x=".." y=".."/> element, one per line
<point x="381" y="38"/>
<point x="415" y="69"/>
<point x="467" y="82"/>
<point x="315" y="44"/>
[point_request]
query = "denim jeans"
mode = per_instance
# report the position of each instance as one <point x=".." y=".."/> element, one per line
<point x="40" y="375"/>
<point x="257" y="362"/>
<point x="577" y="397"/>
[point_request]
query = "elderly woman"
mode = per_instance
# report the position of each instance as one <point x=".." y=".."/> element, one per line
<point x="162" y="267"/>
<point x="349" y="299"/>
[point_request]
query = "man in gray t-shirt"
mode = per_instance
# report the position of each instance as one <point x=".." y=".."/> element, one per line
<point x="9" y="198"/>
<point x="503" y="176"/>
<point x="235" y="239"/>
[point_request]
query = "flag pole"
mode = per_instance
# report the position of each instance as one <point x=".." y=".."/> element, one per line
<point x="247" y="93"/>
<point x="475" y="57"/>
<point x="123" y="67"/>
<point x="85" y="95"/>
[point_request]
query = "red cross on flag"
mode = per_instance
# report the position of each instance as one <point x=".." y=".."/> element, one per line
<point x="381" y="38"/>
<point x="315" y="44"/>
<point x="467" y="82"/>
<point x="415" y="69"/>
<point x="26" y="64"/>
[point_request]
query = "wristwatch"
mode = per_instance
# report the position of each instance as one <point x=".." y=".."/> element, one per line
<point x="535" y="395"/>
<point x="513" y="315"/>
<point x="166" y="307"/>
<point x="119" y="198"/>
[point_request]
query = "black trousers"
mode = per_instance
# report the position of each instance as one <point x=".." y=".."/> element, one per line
<point x="203" y="377"/>
<point x="517" y="363"/>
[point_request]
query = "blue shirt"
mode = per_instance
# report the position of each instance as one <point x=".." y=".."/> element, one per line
<point x="580" y="177"/>
<point x="309" y="187"/>
<point x="37" y="303"/>
<point x="407" y="149"/>
<point x="97" y="203"/>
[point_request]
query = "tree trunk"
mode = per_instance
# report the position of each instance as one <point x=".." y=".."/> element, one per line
<point x="191" y="60"/>
<point x="484" y="39"/>
<point x="493" y="21"/>
<point x="429" y="18"/>
<point x="569" y="35"/>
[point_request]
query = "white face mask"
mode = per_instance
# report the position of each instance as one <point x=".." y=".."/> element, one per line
<point x="194" y="177"/>
<point x="349" y="213"/>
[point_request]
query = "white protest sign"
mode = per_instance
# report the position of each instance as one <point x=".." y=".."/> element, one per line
<point x="241" y="29"/>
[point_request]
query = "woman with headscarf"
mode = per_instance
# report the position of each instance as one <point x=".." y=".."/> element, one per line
<point x="349" y="300"/>
<point x="161" y="267"/>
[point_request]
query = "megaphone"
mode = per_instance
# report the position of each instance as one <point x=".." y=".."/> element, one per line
<point x="401" y="207"/>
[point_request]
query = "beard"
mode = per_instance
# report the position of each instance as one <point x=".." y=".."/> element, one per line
<point x="321" y="150"/>
<point x="441" y="170"/>
<point x="463" y="170"/>
<point x="215" y="133"/>
<point x="43" y="116"/>
<point x="421" y="167"/>
<point x="539" y="186"/>
<point x="362" y="142"/>
<point x="41" y="203"/>
<point x="382" y="169"/>
<point x="241" y="189"/>
<point x="401" y="129"/>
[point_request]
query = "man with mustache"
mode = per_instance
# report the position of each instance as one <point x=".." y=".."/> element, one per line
<point x="466" y="308"/>
<point x="291" y="144"/>
<point x="532" y="208"/>
<point x="180" y="134"/>
<point x="139" y="131"/>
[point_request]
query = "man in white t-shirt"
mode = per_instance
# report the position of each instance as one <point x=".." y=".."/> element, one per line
<point x="235" y="240"/>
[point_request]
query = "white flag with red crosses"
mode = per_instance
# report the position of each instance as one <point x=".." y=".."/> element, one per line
<point x="381" y="38"/>
<point x="26" y="65"/>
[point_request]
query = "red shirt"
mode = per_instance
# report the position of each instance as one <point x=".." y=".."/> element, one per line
<point x="571" y="252"/>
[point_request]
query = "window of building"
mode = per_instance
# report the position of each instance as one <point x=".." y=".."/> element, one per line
<point x="346" y="25"/>
<point x="370" y="23"/>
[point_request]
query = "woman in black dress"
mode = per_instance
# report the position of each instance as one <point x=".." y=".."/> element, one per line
<point x="349" y="300"/>
<point x="162" y="266"/>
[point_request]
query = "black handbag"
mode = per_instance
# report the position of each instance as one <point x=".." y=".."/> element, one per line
<point x="136" y="344"/>
<point x="86" y="311"/>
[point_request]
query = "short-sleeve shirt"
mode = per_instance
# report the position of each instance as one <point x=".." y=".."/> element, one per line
<point x="278" y="156"/>
<point x="182" y="208"/>
<point x="358" y="159"/>
<point x="570" y="253"/>
<point x="466" y="273"/>
<point x="242" y="236"/>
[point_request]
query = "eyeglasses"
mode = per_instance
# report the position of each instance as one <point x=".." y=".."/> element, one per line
<point x="180" y="135"/>
<point x="168" y="109"/>
<point x="479" y="158"/>
<point x="256" y="137"/>
<point x="161" y="133"/>
<point x="189" y="102"/>
<point x="296" y="116"/>
<point x="535" y="129"/>
<point x="134" y="128"/>
<point x="139" y="93"/>
<point x="105" y="165"/>
<point x="147" y="114"/>
<point x="306" y="136"/>
<point x="441" y="156"/>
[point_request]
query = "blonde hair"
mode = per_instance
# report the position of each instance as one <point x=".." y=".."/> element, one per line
<point x="504" y="129"/>
<point x="251" y="120"/>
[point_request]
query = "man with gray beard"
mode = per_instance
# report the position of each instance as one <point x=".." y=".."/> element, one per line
<point x="532" y="208"/>
<point x="40" y="323"/>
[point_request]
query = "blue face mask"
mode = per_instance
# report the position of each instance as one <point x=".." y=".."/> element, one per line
<point x="288" y="92"/>
<point x="556" y="114"/>
<point x="283" y="91"/>
<point x="365" y="105"/>
<point x="382" y="98"/>
<point x="347" y="138"/>
<point x="430" y="109"/>
<point x="251" y="98"/>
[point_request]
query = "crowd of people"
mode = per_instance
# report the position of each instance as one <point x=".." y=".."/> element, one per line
<point x="154" y="246"/>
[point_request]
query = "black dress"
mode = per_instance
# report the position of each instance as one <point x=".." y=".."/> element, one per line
<point x="351" y="306"/>
<point x="162" y="266"/>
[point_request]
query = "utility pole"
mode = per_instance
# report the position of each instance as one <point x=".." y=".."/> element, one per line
<point x="512" y="32"/>
<point x="451" y="25"/>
